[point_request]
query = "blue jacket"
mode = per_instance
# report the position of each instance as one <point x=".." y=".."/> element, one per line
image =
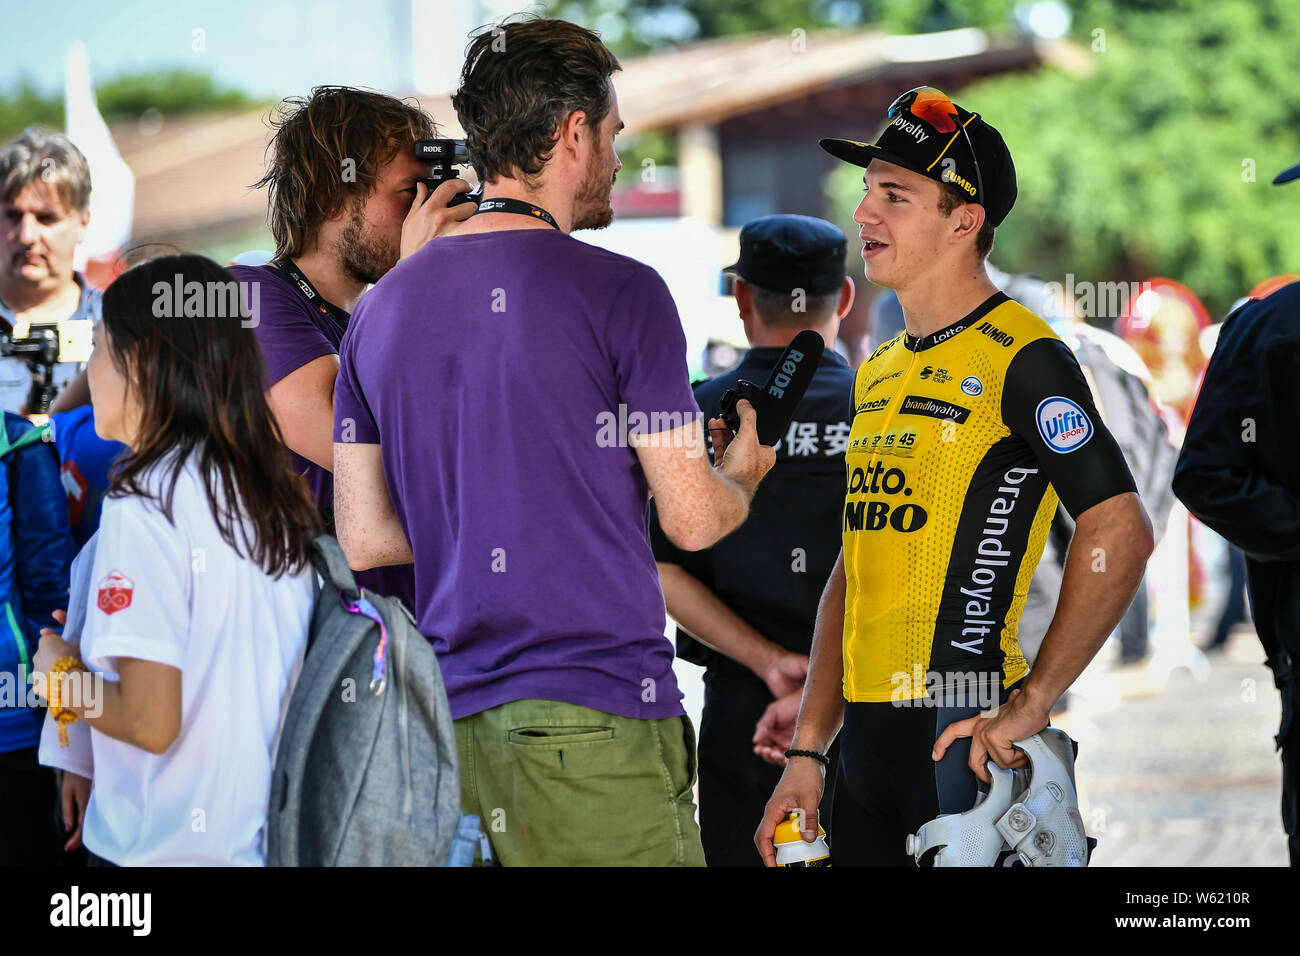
<point x="35" y="559"/>
<point x="86" y="460"/>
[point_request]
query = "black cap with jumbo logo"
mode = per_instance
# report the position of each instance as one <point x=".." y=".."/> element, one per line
<point x="929" y="134"/>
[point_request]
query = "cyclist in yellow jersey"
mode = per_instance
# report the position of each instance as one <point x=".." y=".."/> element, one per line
<point x="968" y="428"/>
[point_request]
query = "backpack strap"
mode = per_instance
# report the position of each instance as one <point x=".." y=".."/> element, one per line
<point x="331" y="564"/>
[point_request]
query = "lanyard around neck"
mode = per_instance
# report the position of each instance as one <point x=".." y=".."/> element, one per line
<point x="517" y="206"/>
<point x="304" y="285"/>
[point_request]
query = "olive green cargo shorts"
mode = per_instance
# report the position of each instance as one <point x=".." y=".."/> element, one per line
<point x="556" y="784"/>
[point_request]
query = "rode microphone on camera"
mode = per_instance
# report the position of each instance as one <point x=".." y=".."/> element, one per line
<point x="444" y="155"/>
<point x="776" y="401"/>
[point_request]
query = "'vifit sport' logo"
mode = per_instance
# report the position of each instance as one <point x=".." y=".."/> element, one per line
<point x="1063" y="424"/>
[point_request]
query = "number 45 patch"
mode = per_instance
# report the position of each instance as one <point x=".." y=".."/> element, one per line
<point x="115" y="592"/>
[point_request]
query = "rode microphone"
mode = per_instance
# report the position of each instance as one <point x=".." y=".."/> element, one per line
<point x="776" y="401"/>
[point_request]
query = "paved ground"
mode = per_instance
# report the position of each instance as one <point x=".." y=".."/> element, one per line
<point x="1183" y="774"/>
<point x="1172" y="773"/>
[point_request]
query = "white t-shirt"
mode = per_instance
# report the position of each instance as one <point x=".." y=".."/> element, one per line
<point x="182" y="596"/>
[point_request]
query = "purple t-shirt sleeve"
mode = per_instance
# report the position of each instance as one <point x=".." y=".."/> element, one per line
<point x="646" y="341"/>
<point x="285" y="329"/>
<point x="353" y="420"/>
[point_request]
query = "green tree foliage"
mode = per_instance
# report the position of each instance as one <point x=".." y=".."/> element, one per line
<point x="632" y="27"/>
<point x="27" y="105"/>
<point x="1160" y="160"/>
<point x="170" y="91"/>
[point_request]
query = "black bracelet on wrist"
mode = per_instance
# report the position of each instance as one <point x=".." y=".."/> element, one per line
<point x="825" y="760"/>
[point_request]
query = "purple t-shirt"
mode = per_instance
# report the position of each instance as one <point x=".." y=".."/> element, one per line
<point x="292" y="332"/>
<point x="491" y="368"/>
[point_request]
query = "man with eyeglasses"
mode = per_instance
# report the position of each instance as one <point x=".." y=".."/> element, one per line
<point x="968" y="427"/>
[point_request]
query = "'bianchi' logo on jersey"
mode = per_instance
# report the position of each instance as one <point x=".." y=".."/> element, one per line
<point x="1063" y="424"/>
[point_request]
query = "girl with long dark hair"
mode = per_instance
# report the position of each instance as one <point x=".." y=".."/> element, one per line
<point x="200" y="587"/>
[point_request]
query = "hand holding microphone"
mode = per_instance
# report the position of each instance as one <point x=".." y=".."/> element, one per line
<point x="743" y="458"/>
<point x="759" y="416"/>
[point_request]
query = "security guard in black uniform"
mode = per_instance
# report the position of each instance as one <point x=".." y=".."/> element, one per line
<point x="746" y="607"/>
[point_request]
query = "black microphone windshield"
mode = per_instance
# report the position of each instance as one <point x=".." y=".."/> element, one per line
<point x="786" y="384"/>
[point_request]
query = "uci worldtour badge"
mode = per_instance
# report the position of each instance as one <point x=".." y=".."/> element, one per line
<point x="972" y="386"/>
<point x="1063" y="424"/>
<point x="115" y="592"/>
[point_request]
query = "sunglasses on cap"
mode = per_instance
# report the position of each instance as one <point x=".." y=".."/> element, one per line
<point x="935" y="108"/>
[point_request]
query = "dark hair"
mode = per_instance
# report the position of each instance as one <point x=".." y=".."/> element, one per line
<point x="950" y="197"/>
<point x="200" y="381"/>
<point x="519" y="82"/>
<point x="776" y="309"/>
<point x="317" y="140"/>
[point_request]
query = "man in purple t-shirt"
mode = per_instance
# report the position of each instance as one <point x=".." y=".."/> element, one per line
<point x="334" y="235"/>
<point x="507" y="400"/>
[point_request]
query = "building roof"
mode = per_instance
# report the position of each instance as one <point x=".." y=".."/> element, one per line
<point x="194" y="174"/>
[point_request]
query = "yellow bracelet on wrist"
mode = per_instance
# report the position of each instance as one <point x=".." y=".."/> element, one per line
<point x="60" y="713"/>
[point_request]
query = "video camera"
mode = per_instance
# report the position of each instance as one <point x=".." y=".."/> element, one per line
<point x="445" y="155"/>
<point x="41" y="352"/>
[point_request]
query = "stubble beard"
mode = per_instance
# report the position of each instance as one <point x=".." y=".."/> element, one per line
<point x="363" y="256"/>
<point x="592" y="209"/>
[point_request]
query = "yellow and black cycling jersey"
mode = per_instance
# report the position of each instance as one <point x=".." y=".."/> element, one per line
<point x="960" y="445"/>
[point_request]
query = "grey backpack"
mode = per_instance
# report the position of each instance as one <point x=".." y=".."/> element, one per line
<point x="365" y="773"/>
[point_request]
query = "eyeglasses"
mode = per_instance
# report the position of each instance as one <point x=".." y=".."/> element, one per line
<point x="935" y="108"/>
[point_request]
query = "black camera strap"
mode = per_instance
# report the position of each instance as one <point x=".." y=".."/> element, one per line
<point x="315" y="298"/>
<point x="516" y="206"/>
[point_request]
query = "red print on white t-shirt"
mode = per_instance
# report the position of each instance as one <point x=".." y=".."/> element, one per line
<point x="115" y="592"/>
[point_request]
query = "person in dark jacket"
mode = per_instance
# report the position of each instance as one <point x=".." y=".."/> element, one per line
<point x="1239" y="473"/>
<point x="35" y="554"/>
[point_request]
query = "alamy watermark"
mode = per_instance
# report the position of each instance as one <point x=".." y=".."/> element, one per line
<point x="83" y="689"/>
<point x="945" y="689"/>
<point x="626" y="429"/>
<point x="210" y="300"/>
<point x="1092" y="300"/>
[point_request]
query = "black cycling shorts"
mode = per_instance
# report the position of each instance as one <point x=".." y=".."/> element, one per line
<point x="887" y="785"/>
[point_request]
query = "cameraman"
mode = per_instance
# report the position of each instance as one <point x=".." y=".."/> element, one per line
<point x="344" y="201"/>
<point x="44" y="211"/>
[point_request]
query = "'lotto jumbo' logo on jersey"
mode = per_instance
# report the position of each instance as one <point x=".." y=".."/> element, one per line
<point x="875" y="515"/>
<point x="115" y="592"/>
<point x="1063" y="424"/>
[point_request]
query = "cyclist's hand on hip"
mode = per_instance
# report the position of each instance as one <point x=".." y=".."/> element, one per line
<point x="994" y="735"/>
